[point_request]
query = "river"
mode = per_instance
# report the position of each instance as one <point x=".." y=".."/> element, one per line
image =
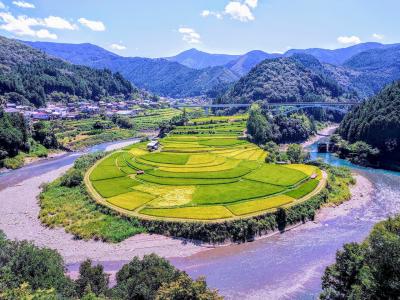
<point x="14" y="177"/>
<point x="290" y="265"/>
<point x="284" y="266"/>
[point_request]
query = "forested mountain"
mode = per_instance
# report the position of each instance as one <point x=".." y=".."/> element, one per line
<point x="364" y="68"/>
<point x="160" y="76"/>
<point x="78" y="54"/>
<point x="246" y="62"/>
<point x="376" y="122"/>
<point x="294" y="79"/>
<point x="336" y="56"/>
<point x="29" y="76"/>
<point x="196" y="59"/>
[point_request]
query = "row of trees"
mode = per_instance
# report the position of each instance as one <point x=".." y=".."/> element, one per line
<point x="30" y="272"/>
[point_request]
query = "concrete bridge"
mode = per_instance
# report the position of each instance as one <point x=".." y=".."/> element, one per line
<point x="277" y="107"/>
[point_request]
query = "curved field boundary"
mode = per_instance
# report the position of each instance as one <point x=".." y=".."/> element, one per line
<point x="135" y="213"/>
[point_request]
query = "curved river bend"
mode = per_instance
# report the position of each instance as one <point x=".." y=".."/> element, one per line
<point x="284" y="266"/>
<point x="290" y="265"/>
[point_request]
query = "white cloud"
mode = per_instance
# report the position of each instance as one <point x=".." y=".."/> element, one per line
<point x="378" y="36"/>
<point x="117" y="47"/>
<point x="239" y="11"/>
<point x="2" y="6"/>
<point x="93" y="25"/>
<point x="26" y="26"/>
<point x="252" y="3"/>
<point x="19" y="26"/>
<point x="206" y="13"/>
<point x="349" y="40"/>
<point x="189" y="35"/>
<point x="23" y="4"/>
<point x="58" y="23"/>
<point x="45" y="34"/>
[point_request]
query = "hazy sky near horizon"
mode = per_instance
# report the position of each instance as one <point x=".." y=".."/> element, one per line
<point x="157" y="28"/>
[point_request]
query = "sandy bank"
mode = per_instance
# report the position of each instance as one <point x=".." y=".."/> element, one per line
<point x="324" y="132"/>
<point x="19" y="210"/>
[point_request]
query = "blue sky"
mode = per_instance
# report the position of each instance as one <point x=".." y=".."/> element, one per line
<point x="157" y="28"/>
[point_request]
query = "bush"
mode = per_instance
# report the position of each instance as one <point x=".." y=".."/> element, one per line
<point x="186" y="288"/>
<point x="14" y="162"/>
<point x="72" y="178"/>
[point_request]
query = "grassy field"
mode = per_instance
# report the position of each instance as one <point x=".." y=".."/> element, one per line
<point x="203" y="171"/>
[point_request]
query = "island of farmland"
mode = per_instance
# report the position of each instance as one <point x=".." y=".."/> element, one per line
<point x="203" y="172"/>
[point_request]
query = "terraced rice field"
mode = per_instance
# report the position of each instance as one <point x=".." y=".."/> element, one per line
<point x="202" y="177"/>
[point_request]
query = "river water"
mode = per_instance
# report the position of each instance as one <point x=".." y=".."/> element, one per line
<point x="290" y="265"/>
<point x="14" y="177"/>
<point x="284" y="266"/>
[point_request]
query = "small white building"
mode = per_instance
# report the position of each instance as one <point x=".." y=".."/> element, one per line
<point x="153" y="145"/>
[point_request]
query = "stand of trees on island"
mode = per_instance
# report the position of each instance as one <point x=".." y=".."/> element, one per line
<point x="30" y="272"/>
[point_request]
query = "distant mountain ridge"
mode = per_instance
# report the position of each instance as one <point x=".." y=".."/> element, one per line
<point x="161" y="76"/>
<point x="196" y="59"/>
<point x="170" y="78"/>
<point x="337" y="56"/>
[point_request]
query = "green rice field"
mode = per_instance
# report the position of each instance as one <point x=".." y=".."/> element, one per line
<point x="204" y="171"/>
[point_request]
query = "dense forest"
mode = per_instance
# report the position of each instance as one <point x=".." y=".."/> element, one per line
<point x="370" y="270"/>
<point x="30" y="272"/>
<point x="28" y="76"/>
<point x="294" y="79"/>
<point x="377" y="123"/>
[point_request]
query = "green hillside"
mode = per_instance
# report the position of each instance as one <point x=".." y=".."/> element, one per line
<point x="29" y="76"/>
<point x="376" y="122"/>
<point x="294" y="79"/>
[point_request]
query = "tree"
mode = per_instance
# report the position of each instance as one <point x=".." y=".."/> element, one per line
<point x="184" y="288"/>
<point x="43" y="133"/>
<point x="141" y="279"/>
<point x="91" y="278"/>
<point x="295" y="153"/>
<point x="370" y="270"/>
<point x="257" y="126"/>
<point x="273" y="152"/>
